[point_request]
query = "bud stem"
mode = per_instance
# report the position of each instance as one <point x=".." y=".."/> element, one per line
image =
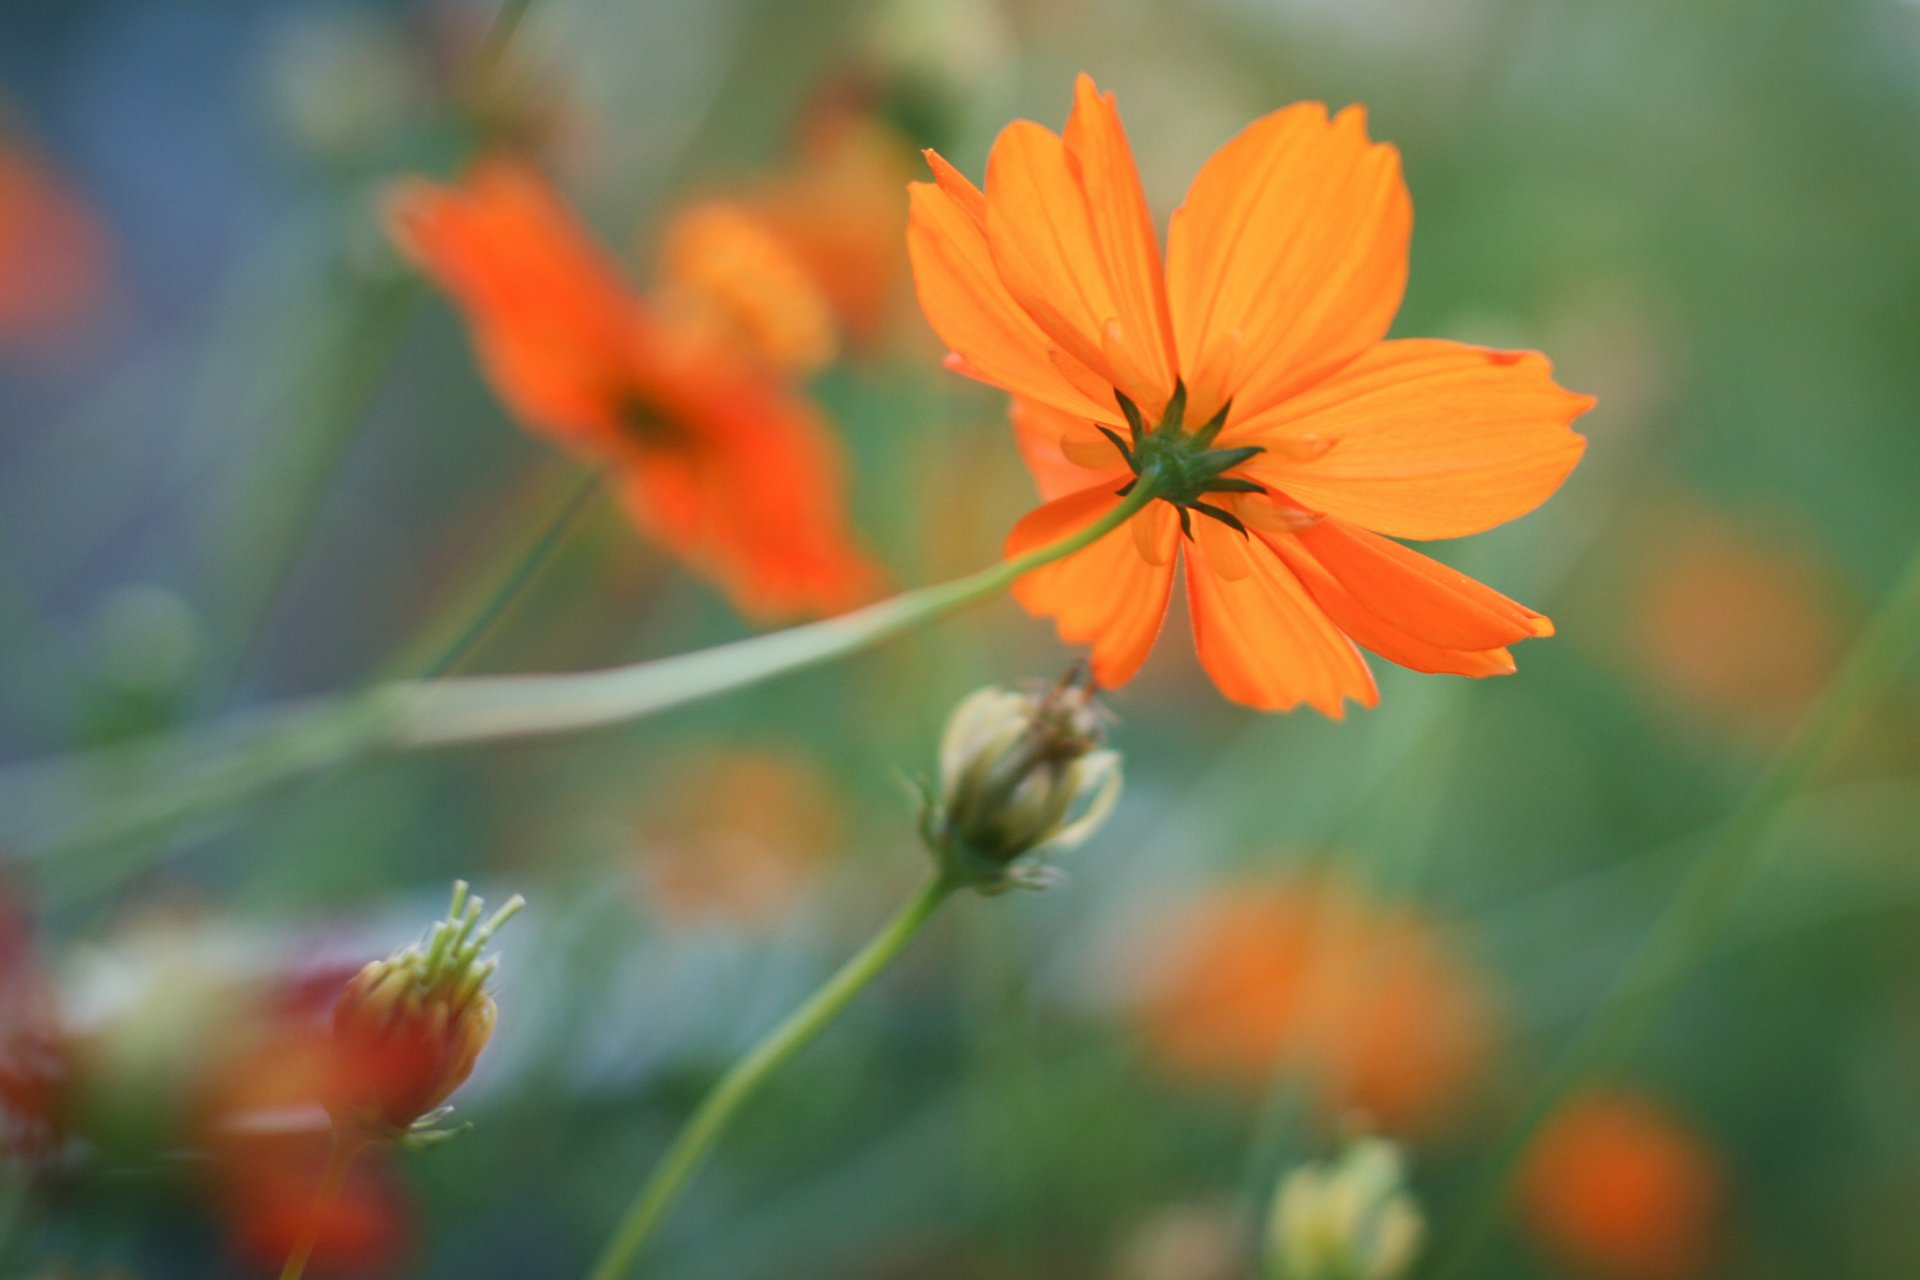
<point x="746" y="1075"/>
<point x="340" y="1154"/>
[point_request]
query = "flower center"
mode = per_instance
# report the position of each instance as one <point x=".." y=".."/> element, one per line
<point x="650" y="425"/>
<point x="1185" y="465"/>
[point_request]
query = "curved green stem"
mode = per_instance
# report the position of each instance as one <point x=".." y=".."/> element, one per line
<point x="1697" y="912"/>
<point x="142" y="790"/>
<point x="744" y="1077"/>
<point x="553" y="532"/>
<point x="493" y="47"/>
<point x="493" y="707"/>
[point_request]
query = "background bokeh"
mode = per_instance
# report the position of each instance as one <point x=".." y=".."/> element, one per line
<point x="244" y="457"/>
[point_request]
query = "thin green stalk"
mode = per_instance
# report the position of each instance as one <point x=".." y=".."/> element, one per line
<point x="744" y="1078"/>
<point x="553" y="532"/>
<point x="1696" y="913"/>
<point x="142" y="790"/>
<point x="339" y="1159"/>
<point x="338" y="387"/>
<point x="490" y="708"/>
<point x="239" y="770"/>
<point x="493" y="47"/>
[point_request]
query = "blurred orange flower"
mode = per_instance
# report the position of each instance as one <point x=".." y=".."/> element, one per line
<point x="33" y="1064"/>
<point x="269" y="1189"/>
<point x="54" y="254"/>
<point x="263" y="1120"/>
<point x="1250" y="375"/>
<point x="838" y="211"/>
<point x="718" y="459"/>
<point x="736" y="836"/>
<point x="722" y="271"/>
<point x="1311" y="977"/>
<point x="1616" y="1185"/>
<point x="805" y="258"/>
<point x="1742" y="629"/>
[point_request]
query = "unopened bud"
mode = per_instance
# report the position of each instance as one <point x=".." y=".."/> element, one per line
<point x="1022" y="774"/>
<point x="1350" y="1218"/>
<point x="408" y="1029"/>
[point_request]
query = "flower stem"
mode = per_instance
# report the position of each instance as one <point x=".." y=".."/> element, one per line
<point x="339" y="1159"/>
<point x="744" y="1077"/>
<point x="486" y="708"/>
<point x="529" y="563"/>
<point x="1696" y="912"/>
<point x="141" y="791"/>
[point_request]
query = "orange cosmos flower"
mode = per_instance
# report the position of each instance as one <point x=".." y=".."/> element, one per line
<point x="1289" y="443"/>
<point x="1618" y="1186"/>
<point x="718" y="459"/>
<point x="1372" y="1004"/>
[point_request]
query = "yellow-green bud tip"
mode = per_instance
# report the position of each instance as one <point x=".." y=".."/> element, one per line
<point x="1349" y="1218"/>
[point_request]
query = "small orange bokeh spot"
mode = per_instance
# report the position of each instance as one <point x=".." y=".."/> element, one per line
<point x="1618" y="1186"/>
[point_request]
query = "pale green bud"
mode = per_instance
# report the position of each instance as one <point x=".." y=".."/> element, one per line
<point x="1350" y="1218"/>
<point x="1022" y="775"/>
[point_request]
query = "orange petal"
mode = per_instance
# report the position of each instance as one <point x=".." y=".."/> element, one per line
<point x="1431" y="439"/>
<point x="1384" y="635"/>
<point x="1418" y="594"/>
<point x="1262" y="638"/>
<point x="1070" y="235"/>
<point x="1105" y="595"/>
<point x="956" y="184"/>
<point x="964" y="301"/>
<point x="552" y="321"/>
<point x="1287" y="259"/>
<point x="1129" y="247"/>
<point x="1065" y="453"/>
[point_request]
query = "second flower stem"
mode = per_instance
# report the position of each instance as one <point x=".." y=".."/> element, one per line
<point x="744" y="1078"/>
<point x="1694" y="915"/>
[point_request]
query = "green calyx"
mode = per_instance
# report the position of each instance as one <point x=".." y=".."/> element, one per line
<point x="1185" y="465"/>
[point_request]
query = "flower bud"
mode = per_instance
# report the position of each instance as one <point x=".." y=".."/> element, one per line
<point x="408" y="1029"/>
<point x="1350" y="1218"/>
<point x="1022" y="774"/>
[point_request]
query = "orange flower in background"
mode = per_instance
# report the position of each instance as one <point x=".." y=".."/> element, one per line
<point x="838" y="211"/>
<point x="263" y="1120"/>
<point x="797" y="262"/>
<point x="717" y="458"/>
<point x="1618" y="1186"/>
<point x="33" y="1054"/>
<point x="1289" y="442"/>
<point x="723" y="272"/>
<point x="54" y="254"/>
<point x="736" y="836"/>
<point x="1309" y="976"/>
<point x="267" y="1188"/>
